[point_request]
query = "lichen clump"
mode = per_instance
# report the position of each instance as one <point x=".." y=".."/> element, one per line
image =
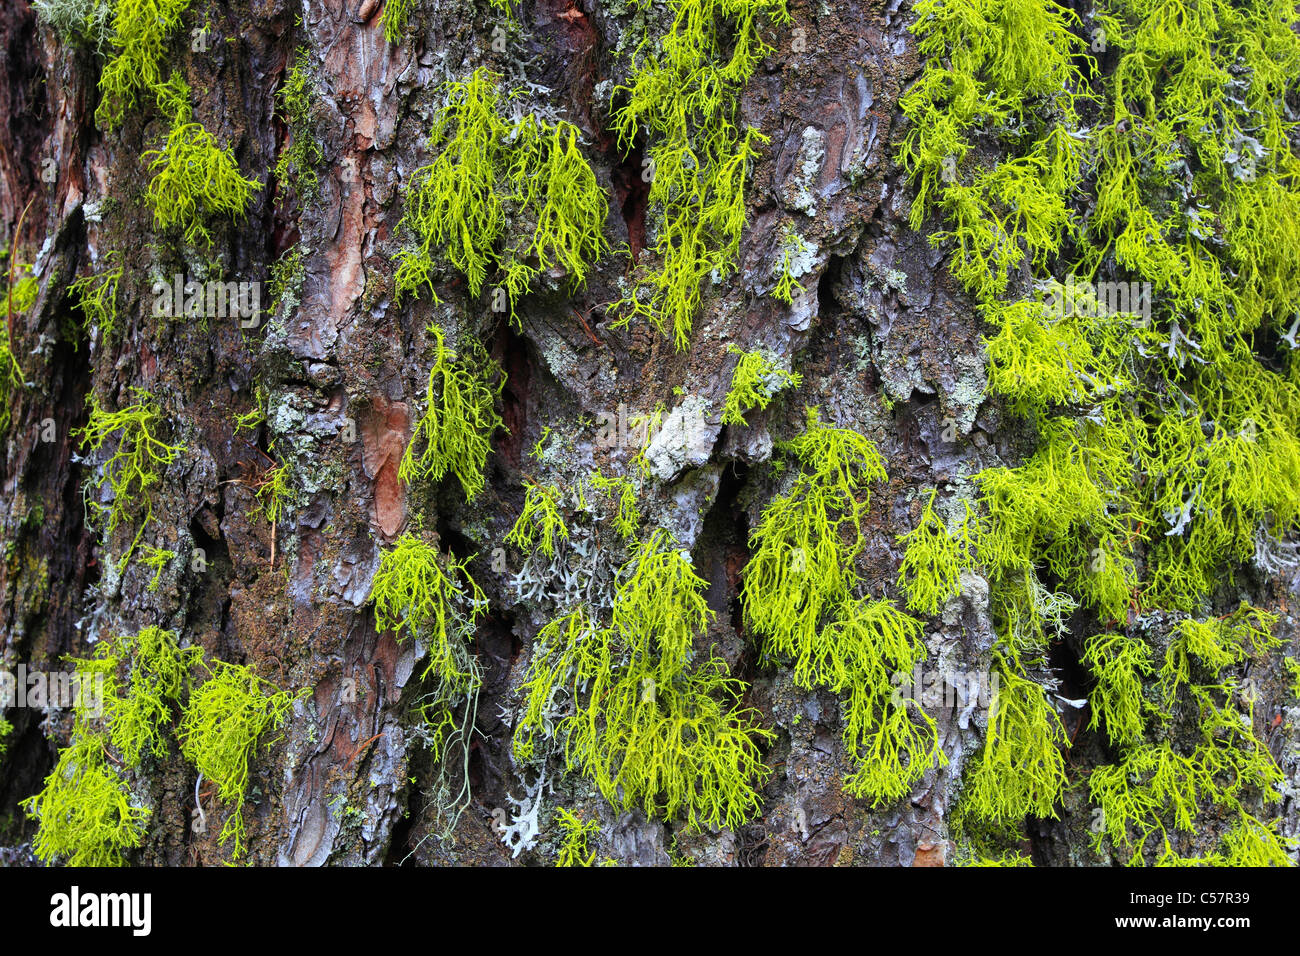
<point x="683" y="97"/>
<point x="802" y="597"/>
<point x="650" y="725"/>
<point x="135" y="466"/>
<point x="127" y="697"/>
<point x="459" y="419"/>
<point x="504" y="199"/>
<point x="194" y="179"/>
<point x="1162" y="380"/>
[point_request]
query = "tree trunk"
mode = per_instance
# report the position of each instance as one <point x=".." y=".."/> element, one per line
<point x="886" y="342"/>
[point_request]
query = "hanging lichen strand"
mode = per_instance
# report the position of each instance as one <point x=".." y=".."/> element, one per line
<point x="194" y="179"/>
<point x="615" y="681"/>
<point x="1162" y="380"/>
<point x="502" y="200"/>
<point x="683" y="97"/>
<point x="801" y="596"/>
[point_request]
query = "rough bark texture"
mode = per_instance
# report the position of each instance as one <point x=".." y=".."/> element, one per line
<point x="885" y="342"/>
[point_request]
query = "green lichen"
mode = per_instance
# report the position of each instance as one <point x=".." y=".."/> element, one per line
<point x="646" y="426"/>
<point x="194" y="179"/>
<point x="20" y="294"/>
<point x="540" y="524"/>
<point x="135" y="466"/>
<point x="508" y="199"/>
<point x="125" y="697"/>
<point x="141" y="31"/>
<point x="627" y="519"/>
<point x="933" y="559"/>
<point x="138" y="705"/>
<point x="156" y="559"/>
<point x="1020" y="770"/>
<point x="22" y="291"/>
<point x="754" y="382"/>
<point x="77" y="21"/>
<point x="787" y="285"/>
<point x="97" y="298"/>
<point x="647" y="726"/>
<point x="1160" y="786"/>
<point x="1293" y="669"/>
<point x="255" y="416"/>
<point x="801" y="596"/>
<point x="273" y="492"/>
<point x="994" y="65"/>
<point x="458" y="422"/>
<point x="226" y="720"/>
<point x="683" y="98"/>
<point x="418" y="593"/>
<point x="396" y="15"/>
<point x="287" y="273"/>
<point x="1120" y="663"/>
<point x="86" y="813"/>
<point x="573" y="849"/>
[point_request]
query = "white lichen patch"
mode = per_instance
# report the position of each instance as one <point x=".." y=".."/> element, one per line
<point x="685" y="441"/>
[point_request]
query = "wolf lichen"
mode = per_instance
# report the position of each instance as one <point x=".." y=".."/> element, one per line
<point x="787" y="285"/>
<point x="396" y="15"/>
<point x="801" y="597"/>
<point x="273" y="492"/>
<point x="285" y="285"/>
<point x="252" y="419"/>
<point x="540" y="519"/>
<point x="683" y="97"/>
<point x="992" y="64"/>
<point x="933" y="559"/>
<point x="86" y="813"/>
<point x="419" y="594"/>
<point x="22" y="291"/>
<point x="125" y="697"/>
<point x="156" y="559"/>
<point x="627" y="518"/>
<point x="194" y="179"/>
<point x="807" y="540"/>
<point x="136" y="464"/>
<point x="1216" y="644"/>
<point x="20" y="294"/>
<point x="754" y="382"/>
<point x="97" y="298"/>
<point x="1020" y="770"/>
<point x="1293" y="669"/>
<point x="141" y="31"/>
<point x="138" y="706"/>
<point x="1168" y="428"/>
<point x="647" y="725"/>
<point x="225" y="721"/>
<point x="489" y="172"/>
<point x="459" y="419"/>
<point x="574" y="850"/>
<point x="1119" y="663"/>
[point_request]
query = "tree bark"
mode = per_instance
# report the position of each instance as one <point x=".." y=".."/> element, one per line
<point x="885" y="341"/>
